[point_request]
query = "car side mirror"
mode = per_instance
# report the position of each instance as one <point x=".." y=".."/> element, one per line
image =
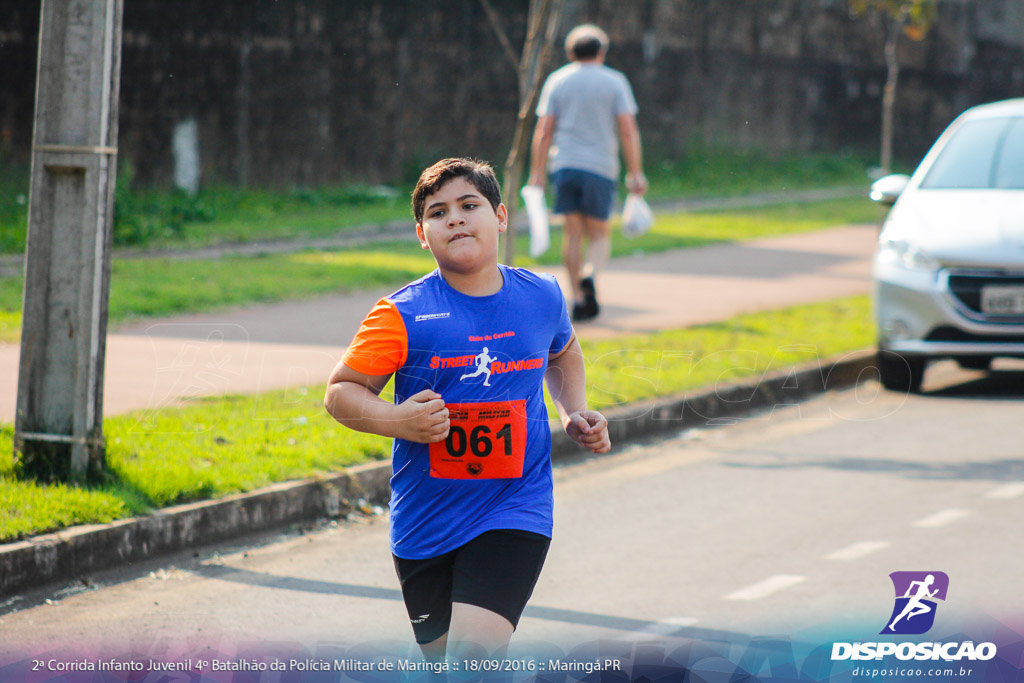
<point x="888" y="189"/>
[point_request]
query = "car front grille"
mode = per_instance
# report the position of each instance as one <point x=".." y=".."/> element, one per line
<point x="966" y="286"/>
<point x="946" y="333"/>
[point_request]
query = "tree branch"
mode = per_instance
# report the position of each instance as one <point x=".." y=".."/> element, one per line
<point x="495" y="22"/>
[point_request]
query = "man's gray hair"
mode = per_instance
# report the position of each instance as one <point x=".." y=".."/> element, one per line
<point x="586" y="41"/>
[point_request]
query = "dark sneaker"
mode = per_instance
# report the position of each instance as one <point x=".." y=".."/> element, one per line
<point x="590" y="305"/>
<point x="581" y="313"/>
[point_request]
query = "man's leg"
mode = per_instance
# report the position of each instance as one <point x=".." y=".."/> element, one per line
<point x="597" y="233"/>
<point x="572" y="251"/>
<point x="599" y="247"/>
<point x="597" y="196"/>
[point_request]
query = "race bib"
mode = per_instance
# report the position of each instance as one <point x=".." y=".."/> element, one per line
<point x="486" y="441"/>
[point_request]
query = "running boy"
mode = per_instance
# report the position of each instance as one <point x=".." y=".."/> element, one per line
<point x="469" y="345"/>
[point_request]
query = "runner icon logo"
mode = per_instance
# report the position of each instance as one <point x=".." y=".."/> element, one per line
<point x="916" y="593"/>
<point x="483" y="361"/>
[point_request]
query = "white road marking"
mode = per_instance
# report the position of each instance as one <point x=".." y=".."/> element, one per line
<point x="765" y="588"/>
<point x="942" y="518"/>
<point x="1007" y="491"/>
<point x="670" y="625"/>
<point x="858" y="550"/>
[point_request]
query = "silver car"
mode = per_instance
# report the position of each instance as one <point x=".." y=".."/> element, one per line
<point x="949" y="270"/>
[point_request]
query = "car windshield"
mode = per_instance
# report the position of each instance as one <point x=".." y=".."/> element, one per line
<point x="983" y="154"/>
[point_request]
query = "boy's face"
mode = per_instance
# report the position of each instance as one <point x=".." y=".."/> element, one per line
<point x="460" y="228"/>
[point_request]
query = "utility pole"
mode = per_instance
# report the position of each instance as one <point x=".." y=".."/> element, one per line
<point x="59" y="421"/>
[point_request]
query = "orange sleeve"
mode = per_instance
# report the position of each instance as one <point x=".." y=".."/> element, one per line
<point x="381" y="345"/>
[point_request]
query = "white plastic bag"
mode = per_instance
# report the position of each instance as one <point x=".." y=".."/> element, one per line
<point x="637" y="217"/>
<point x="537" y="214"/>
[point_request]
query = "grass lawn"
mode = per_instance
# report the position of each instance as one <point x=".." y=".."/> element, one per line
<point x="710" y="172"/>
<point x="161" y="287"/>
<point x="172" y="219"/>
<point x="229" y="444"/>
<point x="156" y="219"/>
<point x="167" y="219"/>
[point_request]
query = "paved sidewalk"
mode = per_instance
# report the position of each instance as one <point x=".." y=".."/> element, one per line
<point x="156" y="364"/>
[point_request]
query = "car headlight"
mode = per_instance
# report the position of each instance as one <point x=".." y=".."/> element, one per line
<point x="905" y="254"/>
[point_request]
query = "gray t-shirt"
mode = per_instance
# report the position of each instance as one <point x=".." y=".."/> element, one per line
<point x="586" y="100"/>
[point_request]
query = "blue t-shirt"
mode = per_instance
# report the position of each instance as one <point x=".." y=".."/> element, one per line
<point x="491" y="349"/>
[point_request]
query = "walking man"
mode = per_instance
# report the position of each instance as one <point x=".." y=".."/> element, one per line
<point x="585" y="109"/>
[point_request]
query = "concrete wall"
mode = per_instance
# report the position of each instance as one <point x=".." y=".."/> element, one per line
<point x="318" y="91"/>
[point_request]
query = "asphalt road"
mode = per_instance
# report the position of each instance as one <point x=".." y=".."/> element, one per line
<point x="786" y="523"/>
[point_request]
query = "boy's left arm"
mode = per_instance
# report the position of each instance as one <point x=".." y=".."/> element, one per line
<point x="566" y="379"/>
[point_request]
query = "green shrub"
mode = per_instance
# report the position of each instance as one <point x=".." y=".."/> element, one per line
<point x="143" y="217"/>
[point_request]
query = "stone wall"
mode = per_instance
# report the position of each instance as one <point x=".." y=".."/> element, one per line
<point x="309" y="92"/>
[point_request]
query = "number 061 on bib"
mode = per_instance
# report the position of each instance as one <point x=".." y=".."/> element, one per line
<point x="485" y="441"/>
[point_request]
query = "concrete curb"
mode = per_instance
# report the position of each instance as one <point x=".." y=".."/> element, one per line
<point x="68" y="554"/>
<point x="726" y="403"/>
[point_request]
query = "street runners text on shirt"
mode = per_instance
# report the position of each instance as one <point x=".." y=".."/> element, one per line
<point x="497" y="367"/>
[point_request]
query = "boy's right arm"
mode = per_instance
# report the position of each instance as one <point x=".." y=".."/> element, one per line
<point x="353" y="399"/>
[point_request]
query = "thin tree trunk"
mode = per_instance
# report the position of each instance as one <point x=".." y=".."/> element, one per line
<point x="889" y="103"/>
<point x="542" y="29"/>
<point x="889" y="93"/>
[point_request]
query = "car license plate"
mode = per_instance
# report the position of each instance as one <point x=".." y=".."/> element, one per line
<point x="1002" y="300"/>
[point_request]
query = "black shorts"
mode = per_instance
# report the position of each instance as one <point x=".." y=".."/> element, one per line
<point x="497" y="571"/>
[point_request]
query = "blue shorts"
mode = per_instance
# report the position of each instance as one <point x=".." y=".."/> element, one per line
<point x="583" y="192"/>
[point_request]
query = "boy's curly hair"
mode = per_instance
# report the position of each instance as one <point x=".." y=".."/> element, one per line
<point x="479" y="174"/>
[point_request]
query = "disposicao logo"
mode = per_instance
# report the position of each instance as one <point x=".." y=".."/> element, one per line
<point x="916" y="595"/>
<point x="913" y="613"/>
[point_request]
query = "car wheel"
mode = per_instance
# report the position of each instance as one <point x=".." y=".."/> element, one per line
<point x="974" y="362"/>
<point x="900" y="373"/>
